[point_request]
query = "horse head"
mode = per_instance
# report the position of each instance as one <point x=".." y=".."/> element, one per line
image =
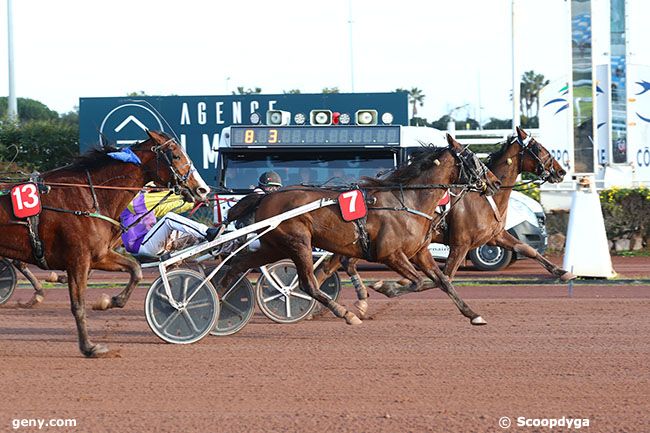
<point x="171" y="167"/>
<point x="535" y="158"/>
<point x="472" y="170"/>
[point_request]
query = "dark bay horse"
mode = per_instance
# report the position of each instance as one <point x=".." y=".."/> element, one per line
<point x="400" y="221"/>
<point x="99" y="187"/>
<point x="473" y="221"/>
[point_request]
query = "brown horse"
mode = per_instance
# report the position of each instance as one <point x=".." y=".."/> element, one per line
<point x="400" y="221"/>
<point x="75" y="225"/>
<point x="473" y="221"/>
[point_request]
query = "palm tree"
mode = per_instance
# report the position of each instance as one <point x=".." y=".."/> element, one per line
<point x="415" y="97"/>
<point x="531" y="84"/>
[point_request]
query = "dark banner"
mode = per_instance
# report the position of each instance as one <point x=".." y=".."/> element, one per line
<point x="198" y="120"/>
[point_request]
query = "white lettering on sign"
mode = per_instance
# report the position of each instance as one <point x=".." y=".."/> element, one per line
<point x="209" y="155"/>
<point x="185" y="114"/>
<point x="255" y="106"/>
<point x="236" y="112"/>
<point x="219" y="107"/>
<point x="200" y="113"/>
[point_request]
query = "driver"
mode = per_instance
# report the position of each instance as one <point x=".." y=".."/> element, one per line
<point x="150" y="235"/>
<point x="268" y="182"/>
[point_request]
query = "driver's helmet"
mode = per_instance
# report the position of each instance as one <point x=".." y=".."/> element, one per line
<point x="269" y="179"/>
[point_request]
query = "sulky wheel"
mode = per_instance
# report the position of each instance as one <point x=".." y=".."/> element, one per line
<point x="237" y="303"/>
<point x="279" y="297"/>
<point x="188" y="322"/>
<point x="7" y="280"/>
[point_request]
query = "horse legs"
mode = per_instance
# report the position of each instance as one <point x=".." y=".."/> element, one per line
<point x="116" y="262"/>
<point x="77" y="279"/>
<point x="302" y="258"/>
<point x="39" y="293"/>
<point x="506" y="240"/>
<point x="361" y="304"/>
<point x="457" y="254"/>
<point x="428" y="265"/>
<point x="399" y="263"/>
<point x="350" y="266"/>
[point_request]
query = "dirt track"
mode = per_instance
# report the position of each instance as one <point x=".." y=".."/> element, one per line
<point x="416" y="366"/>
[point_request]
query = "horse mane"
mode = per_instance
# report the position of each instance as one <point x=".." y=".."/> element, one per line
<point x="421" y="160"/>
<point x="245" y="206"/>
<point x="497" y="154"/>
<point x="93" y="158"/>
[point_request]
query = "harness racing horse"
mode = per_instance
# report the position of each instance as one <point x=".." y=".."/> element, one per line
<point x="77" y="229"/>
<point x="474" y="220"/>
<point x="400" y="221"/>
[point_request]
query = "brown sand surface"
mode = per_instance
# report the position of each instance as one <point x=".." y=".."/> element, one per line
<point x="415" y="365"/>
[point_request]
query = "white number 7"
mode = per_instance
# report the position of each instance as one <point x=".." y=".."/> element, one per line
<point x="353" y="199"/>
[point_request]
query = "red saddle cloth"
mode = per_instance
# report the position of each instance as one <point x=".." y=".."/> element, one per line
<point x="444" y="201"/>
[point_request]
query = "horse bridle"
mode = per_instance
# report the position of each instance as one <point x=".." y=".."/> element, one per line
<point x="167" y="155"/>
<point x="531" y="146"/>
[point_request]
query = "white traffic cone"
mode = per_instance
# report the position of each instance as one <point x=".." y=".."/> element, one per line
<point x="586" y="252"/>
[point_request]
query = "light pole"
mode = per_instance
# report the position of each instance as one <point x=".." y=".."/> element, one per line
<point x="351" y="51"/>
<point x="516" y="91"/>
<point x="12" y="109"/>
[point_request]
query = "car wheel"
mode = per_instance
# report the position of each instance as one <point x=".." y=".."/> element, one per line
<point x="490" y="258"/>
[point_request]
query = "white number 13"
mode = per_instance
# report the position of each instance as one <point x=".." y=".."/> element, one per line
<point x="31" y="197"/>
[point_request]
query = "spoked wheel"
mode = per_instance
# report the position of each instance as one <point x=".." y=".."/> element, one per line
<point x="279" y="296"/>
<point x="237" y="303"/>
<point x="7" y="280"/>
<point x="188" y="322"/>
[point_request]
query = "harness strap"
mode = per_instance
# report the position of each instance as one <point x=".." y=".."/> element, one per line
<point x="38" y="251"/>
<point x="494" y="207"/>
<point x="364" y="238"/>
<point x="92" y="192"/>
<point x="84" y="213"/>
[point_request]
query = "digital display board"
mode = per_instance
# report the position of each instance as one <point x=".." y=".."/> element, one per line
<point x="314" y="135"/>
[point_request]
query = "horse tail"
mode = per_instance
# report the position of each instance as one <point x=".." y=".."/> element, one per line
<point x="244" y="207"/>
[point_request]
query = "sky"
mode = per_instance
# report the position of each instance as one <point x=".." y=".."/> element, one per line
<point x="457" y="52"/>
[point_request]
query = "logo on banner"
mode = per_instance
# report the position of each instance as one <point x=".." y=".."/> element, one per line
<point x="560" y="104"/>
<point x="126" y="124"/>
<point x="26" y="200"/>
<point x="352" y="204"/>
<point x="645" y="86"/>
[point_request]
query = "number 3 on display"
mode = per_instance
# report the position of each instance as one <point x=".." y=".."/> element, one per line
<point x="352" y="205"/>
<point x="25" y="200"/>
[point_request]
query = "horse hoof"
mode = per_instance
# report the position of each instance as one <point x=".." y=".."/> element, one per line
<point x="362" y="307"/>
<point x="52" y="278"/>
<point x="377" y="285"/>
<point x="567" y="276"/>
<point x="351" y="319"/>
<point x="478" y="320"/>
<point x="103" y="303"/>
<point x="97" y="351"/>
